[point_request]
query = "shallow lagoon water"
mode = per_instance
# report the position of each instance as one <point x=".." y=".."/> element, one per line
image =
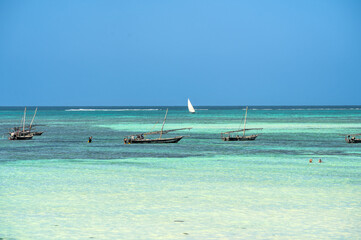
<point x="58" y="186"/>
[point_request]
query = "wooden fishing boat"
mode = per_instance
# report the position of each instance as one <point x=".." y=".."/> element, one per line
<point x="190" y="107"/>
<point x="138" y="139"/>
<point x="227" y="136"/>
<point x="24" y="132"/>
<point x="352" y="138"/>
<point x="20" y="136"/>
<point x="141" y="137"/>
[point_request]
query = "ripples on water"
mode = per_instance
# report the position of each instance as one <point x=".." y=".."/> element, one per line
<point x="59" y="185"/>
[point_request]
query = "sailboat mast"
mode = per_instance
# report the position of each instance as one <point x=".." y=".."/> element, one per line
<point x="245" y="119"/>
<point x="24" y="119"/>
<point x="21" y="123"/>
<point x="33" y="119"/>
<point x="165" y="117"/>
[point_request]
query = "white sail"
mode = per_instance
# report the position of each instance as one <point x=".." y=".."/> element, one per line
<point x="190" y="107"/>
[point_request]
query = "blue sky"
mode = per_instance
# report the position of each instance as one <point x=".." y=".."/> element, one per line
<point x="162" y="52"/>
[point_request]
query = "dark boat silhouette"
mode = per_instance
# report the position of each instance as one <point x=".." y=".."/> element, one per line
<point x="141" y="137"/>
<point x="227" y="136"/>
<point x="24" y="132"/>
<point x="351" y="138"/>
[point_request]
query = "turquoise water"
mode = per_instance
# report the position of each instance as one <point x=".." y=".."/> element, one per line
<point x="57" y="186"/>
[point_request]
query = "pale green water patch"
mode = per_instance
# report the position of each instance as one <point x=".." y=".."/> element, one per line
<point x="58" y="186"/>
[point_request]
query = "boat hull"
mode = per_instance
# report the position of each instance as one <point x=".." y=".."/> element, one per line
<point x="155" y="141"/>
<point x="37" y="133"/>
<point x="352" y="140"/>
<point x="21" y="138"/>
<point x="241" y="138"/>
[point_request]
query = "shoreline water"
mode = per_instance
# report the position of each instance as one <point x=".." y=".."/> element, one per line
<point x="58" y="186"/>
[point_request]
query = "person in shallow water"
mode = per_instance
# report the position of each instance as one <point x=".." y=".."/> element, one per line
<point x="90" y="139"/>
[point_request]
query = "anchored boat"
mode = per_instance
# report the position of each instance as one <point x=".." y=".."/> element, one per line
<point x="24" y="132"/>
<point x="352" y="138"/>
<point x="20" y="135"/>
<point x="228" y="136"/>
<point x="141" y="137"/>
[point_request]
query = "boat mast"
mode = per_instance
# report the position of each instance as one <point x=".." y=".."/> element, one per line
<point x="33" y="119"/>
<point x="24" y="119"/>
<point x="165" y="117"/>
<point x="245" y="119"/>
<point x="21" y="123"/>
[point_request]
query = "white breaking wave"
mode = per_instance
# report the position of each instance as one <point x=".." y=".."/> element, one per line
<point x="109" y="110"/>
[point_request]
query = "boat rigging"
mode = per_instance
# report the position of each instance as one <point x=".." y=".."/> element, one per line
<point x="227" y="136"/>
<point x="141" y="137"/>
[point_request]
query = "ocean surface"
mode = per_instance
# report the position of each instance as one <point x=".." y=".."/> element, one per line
<point x="58" y="186"/>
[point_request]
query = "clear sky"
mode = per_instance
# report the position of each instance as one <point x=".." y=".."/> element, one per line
<point x="225" y="52"/>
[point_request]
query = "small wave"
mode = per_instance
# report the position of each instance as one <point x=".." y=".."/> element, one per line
<point x="201" y="109"/>
<point x="110" y="110"/>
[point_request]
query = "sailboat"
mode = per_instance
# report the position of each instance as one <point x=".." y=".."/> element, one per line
<point x="140" y="138"/>
<point x="190" y="107"/>
<point x="227" y="136"/>
<point x="24" y="132"/>
<point x="17" y="134"/>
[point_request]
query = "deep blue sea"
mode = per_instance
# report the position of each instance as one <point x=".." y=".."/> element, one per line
<point x="58" y="186"/>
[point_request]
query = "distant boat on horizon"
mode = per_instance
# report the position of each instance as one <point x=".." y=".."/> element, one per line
<point x="190" y="107"/>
